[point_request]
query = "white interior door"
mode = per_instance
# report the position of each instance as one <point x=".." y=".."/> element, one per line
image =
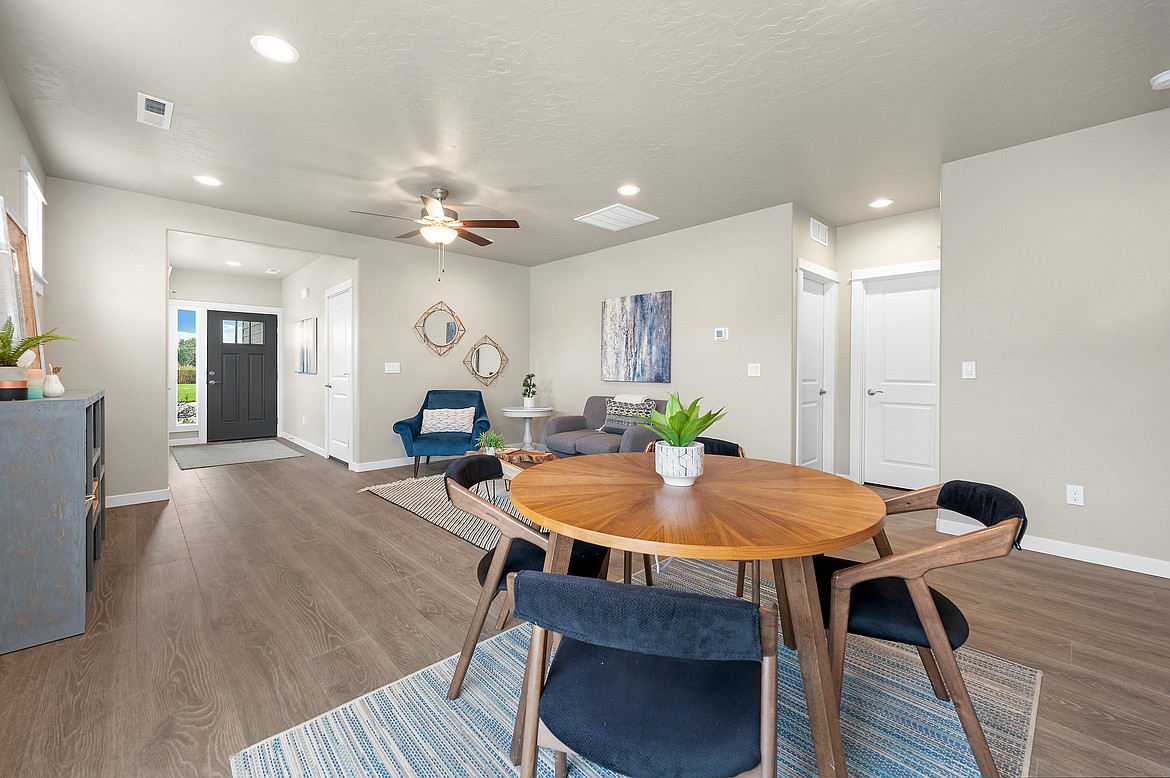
<point x="815" y="364"/>
<point x="339" y="375"/>
<point x="901" y="378"/>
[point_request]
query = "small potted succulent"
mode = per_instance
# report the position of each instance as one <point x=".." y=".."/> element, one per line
<point x="15" y="359"/>
<point x="529" y="392"/>
<point x="677" y="457"/>
<point x="491" y="441"/>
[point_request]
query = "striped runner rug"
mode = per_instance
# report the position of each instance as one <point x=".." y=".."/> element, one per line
<point x="427" y="498"/>
<point x="891" y="722"/>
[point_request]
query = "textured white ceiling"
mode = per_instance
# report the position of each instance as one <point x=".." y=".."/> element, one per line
<point x="208" y="254"/>
<point x="538" y="109"/>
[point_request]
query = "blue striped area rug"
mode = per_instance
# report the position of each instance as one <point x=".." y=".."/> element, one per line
<point x="891" y="721"/>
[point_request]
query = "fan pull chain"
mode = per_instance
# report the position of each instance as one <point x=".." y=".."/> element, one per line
<point x="442" y="262"/>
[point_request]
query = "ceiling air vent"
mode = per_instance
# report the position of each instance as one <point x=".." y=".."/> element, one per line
<point x="616" y="217"/>
<point x="272" y="271"/>
<point x="154" y="111"/>
<point x="819" y="232"/>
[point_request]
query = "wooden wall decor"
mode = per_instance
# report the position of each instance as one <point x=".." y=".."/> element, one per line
<point x="28" y="311"/>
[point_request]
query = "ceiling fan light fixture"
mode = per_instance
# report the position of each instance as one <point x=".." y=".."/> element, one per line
<point x="438" y="234"/>
<point x="275" y="49"/>
<point x="1161" y="81"/>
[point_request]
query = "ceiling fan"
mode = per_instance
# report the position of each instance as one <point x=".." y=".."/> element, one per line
<point x="441" y="226"/>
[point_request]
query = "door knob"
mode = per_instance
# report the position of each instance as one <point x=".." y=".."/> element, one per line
<point x="328" y="386"/>
<point x="212" y="382"/>
<point x="872" y="392"/>
<point x="823" y="391"/>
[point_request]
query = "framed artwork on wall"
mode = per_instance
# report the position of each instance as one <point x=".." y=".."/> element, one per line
<point x="635" y="338"/>
<point x="306" y="334"/>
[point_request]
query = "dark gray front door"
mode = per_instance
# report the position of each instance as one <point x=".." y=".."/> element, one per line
<point x="241" y="375"/>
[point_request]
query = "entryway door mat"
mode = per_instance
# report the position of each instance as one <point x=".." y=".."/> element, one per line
<point x="234" y="453"/>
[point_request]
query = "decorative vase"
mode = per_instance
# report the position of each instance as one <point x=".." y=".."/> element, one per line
<point x="13" y="383"/>
<point x="53" y="386"/>
<point x="678" y="465"/>
<point x="490" y="451"/>
<point x="529" y="402"/>
<point x="36" y="383"/>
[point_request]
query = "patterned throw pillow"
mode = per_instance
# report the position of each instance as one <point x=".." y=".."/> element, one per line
<point x="620" y="416"/>
<point x="447" y="420"/>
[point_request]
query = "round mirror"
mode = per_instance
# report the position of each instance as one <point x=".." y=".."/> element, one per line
<point x="486" y="360"/>
<point x="439" y="328"/>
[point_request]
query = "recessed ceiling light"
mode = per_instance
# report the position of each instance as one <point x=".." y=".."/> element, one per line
<point x="233" y="264"/>
<point x="628" y="189"/>
<point x="881" y="202"/>
<point x="275" y="49"/>
<point x="208" y="180"/>
<point x="1161" y="81"/>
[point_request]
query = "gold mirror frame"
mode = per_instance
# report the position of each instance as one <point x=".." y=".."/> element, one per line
<point x="485" y="341"/>
<point x="420" y="328"/>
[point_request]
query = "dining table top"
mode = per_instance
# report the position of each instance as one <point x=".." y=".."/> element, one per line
<point x="738" y="509"/>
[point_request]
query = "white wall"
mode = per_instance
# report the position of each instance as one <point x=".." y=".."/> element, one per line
<point x="224" y="288"/>
<point x="893" y="240"/>
<point x="1055" y="271"/>
<point x="14" y="142"/>
<point x="735" y="273"/>
<point x="109" y="289"/>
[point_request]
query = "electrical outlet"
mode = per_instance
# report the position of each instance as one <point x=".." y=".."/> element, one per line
<point x="968" y="370"/>
<point x="1074" y="495"/>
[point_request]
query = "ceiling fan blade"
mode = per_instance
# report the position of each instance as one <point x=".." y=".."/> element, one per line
<point x="385" y="215"/>
<point x="494" y="223"/>
<point x="410" y="234"/>
<point x="478" y="240"/>
<point x="434" y="208"/>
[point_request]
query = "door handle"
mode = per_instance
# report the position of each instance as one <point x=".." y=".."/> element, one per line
<point x="328" y="386"/>
<point x="823" y="391"/>
<point x="872" y="392"/>
<point x="212" y="382"/>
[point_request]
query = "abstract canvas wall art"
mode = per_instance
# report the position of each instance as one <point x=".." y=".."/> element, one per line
<point x="635" y="338"/>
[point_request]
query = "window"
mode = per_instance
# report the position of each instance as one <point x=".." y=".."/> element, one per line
<point x="34" y="202"/>
<point x="244" y="332"/>
<point x="186" y="351"/>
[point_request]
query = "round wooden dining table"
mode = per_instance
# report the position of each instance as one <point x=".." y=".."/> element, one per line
<point x="739" y="509"/>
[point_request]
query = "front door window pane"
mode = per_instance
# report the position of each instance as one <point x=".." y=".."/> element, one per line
<point x="186" y="396"/>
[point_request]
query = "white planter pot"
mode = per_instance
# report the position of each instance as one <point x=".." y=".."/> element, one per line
<point x="678" y="465"/>
<point x="529" y="402"/>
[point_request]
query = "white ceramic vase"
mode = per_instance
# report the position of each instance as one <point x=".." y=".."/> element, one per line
<point x="678" y="465"/>
<point x="53" y="386"/>
<point x="529" y="402"/>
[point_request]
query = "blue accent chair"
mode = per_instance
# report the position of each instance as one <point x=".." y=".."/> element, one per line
<point x="647" y="681"/>
<point x="418" y="445"/>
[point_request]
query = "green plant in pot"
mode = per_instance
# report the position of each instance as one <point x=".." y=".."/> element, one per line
<point x="529" y="391"/>
<point x="15" y="359"/>
<point x="490" y="441"/>
<point x="677" y="457"/>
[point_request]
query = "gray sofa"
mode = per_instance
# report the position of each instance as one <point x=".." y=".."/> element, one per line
<point x="569" y="436"/>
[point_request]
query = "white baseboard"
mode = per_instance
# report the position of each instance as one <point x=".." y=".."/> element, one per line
<point x="303" y="444"/>
<point x="158" y="495"/>
<point x="382" y="464"/>
<point x="1061" y="548"/>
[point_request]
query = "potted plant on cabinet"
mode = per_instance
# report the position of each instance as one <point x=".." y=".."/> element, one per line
<point x="529" y="392"/>
<point x="677" y="457"/>
<point x="15" y="359"/>
<point x="491" y="441"/>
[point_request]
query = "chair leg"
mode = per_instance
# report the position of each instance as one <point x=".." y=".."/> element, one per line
<point x="488" y="593"/>
<point x="932" y="672"/>
<point x="416" y="466"/>
<point x="533" y="681"/>
<point x="627" y="567"/>
<point x="756" y="581"/>
<point x="502" y="621"/>
<point x="603" y="574"/>
<point x="649" y="568"/>
<point x="739" y="579"/>
<point x="562" y="765"/>
<point x="949" y="668"/>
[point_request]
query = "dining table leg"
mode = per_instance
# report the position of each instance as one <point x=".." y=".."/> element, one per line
<point x="556" y="560"/>
<point x="808" y="626"/>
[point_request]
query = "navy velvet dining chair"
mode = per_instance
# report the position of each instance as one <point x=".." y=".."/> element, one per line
<point x="647" y="681"/>
<point x="419" y="445"/>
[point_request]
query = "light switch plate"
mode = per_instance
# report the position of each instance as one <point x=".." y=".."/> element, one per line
<point x="968" y="370"/>
<point x="753" y="369"/>
<point x="393" y="367"/>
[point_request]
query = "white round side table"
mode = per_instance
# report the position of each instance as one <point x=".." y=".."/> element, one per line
<point x="528" y="414"/>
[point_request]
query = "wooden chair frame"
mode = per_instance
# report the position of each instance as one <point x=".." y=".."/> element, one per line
<point x="911" y="566"/>
<point x="535" y="734"/>
<point x="510" y="529"/>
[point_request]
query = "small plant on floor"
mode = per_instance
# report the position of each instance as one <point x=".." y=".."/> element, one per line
<point x="529" y="385"/>
<point x="680" y="426"/>
<point x="491" y="441"/>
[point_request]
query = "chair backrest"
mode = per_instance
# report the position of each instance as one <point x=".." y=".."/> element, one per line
<point x="713" y="446"/>
<point x="642" y="619"/>
<point x="471" y="503"/>
<point x="986" y="504"/>
<point x="455" y="398"/>
<point x="473" y="469"/>
<point x="594" y="411"/>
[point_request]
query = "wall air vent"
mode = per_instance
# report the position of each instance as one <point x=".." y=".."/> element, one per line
<point x="819" y="232"/>
<point x="616" y="217"/>
<point x="155" y="111"/>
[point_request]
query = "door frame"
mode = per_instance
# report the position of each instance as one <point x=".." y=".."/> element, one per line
<point x="857" y="405"/>
<point x="829" y="358"/>
<point x="201" y="308"/>
<point x="353" y="384"/>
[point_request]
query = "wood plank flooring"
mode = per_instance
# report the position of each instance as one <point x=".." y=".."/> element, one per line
<point x="264" y="594"/>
